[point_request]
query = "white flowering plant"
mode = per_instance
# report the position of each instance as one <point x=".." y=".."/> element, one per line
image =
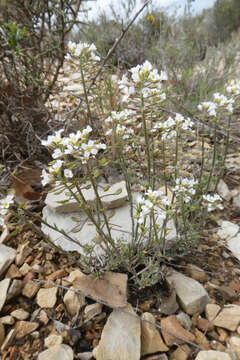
<point x="144" y="140"/>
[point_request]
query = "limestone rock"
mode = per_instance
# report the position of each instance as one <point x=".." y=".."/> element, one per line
<point x="197" y="273"/>
<point x="151" y="341"/>
<point x="120" y="338"/>
<point x="4" y="285"/>
<point x="121" y="228"/>
<point x="20" y="314"/>
<point x="192" y="295"/>
<point x="110" y="198"/>
<point x="234" y="246"/>
<point x="184" y="320"/>
<point x="13" y="272"/>
<point x="15" y="289"/>
<point x="236" y="203"/>
<point x="30" y="289"/>
<point x="22" y="253"/>
<point x="73" y="301"/>
<point x="234" y="343"/>
<point x="211" y="311"/>
<point x="7" y="320"/>
<point x="24" y="328"/>
<point x="228" y="318"/>
<point x="227" y="230"/>
<point x="57" y="352"/>
<point x="212" y="355"/>
<point x="85" y="356"/>
<point x="53" y="340"/>
<point x="171" y="324"/>
<point x="181" y="353"/>
<point x="47" y="298"/>
<point x="7" y="256"/>
<point x="224" y="191"/>
<point x="92" y="310"/>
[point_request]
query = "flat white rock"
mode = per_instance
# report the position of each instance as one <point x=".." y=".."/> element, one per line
<point x="121" y="229"/>
<point x="120" y="338"/>
<point x="212" y="355"/>
<point x="57" y="352"/>
<point x="227" y="230"/>
<point x="191" y="294"/>
<point x="233" y="245"/>
<point x="7" y="256"/>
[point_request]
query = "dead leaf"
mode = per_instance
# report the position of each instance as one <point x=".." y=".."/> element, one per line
<point x="111" y="289"/>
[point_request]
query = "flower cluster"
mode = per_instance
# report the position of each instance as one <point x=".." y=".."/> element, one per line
<point x="121" y="131"/>
<point x="4" y="206"/>
<point x="185" y="188"/>
<point x="83" y="49"/>
<point x="220" y="101"/>
<point x="213" y="202"/>
<point x="168" y="127"/>
<point x="118" y="122"/>
<point x="76" y="144"/>
<point x="150" y="203"/>
<point x="233" y="88"/>
<point x="148" y="78"/>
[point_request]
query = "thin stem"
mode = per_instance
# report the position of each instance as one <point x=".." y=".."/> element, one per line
<point x="146" y="141"/>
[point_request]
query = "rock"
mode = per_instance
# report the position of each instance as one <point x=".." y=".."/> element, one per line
<point x="120" y="338"/>
<point x="7" y="256"/>
<point x="227" y="293"/>
<point x="110" y="198"/>
<point x="201" y="340"/>
<point x="15" y="289"/>
<point x="158" y="357"/>
<point x="181" y="353"/>
<point x="234" y="246"/>
<point x="184" y="320"/>
<point x="2" y="334"/>
<point x="169" y="305"/>
<point x="47" y="298"/>
<point x="4" y="235"/>
<point x="212" y="355"/>
<point x="92" y="310"/>
<point x="151" y="341"/>
<point x="7" y="320"/>
<point x="234" y="343"/>
<point x="74" y="88"/>
<point x="171" y="324"/>
<point x="24" y="269"/>
<point x="20" y="314"/>
<point x="24" y="328"/>
<point x="211" y="311"/>
<point x="22" y="253"/>
<point x="227" y="230"/>
<point x="204" y="324"/>
<point x="9" y="339"/>
<point x="13" y="272"/>
<point x="192" y="295"/>
<point x="224" y="191"/>
<point x="56" y="275"/>
<point x="197" y="273"/>
<point x="228" y="318"/>
<point x="57" y="352"/>
<point x="53" y="340"/>
<point x="4" y="285"/>
<point x="30" y="289"/>
<point x="73" y="301"/>
<point x="87" y="235"/>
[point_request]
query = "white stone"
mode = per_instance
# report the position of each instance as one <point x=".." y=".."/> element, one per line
<point x="47" y="298"/>
<point x="224" y="191"/>
<point x="110" y="198"/>
<point x="151" y="340"/>
<point x="228" y="318"/>
<point x="234" y="246"/>
<point x="73" y="88"/>
<point x="92" y="310"/>
<point x="7" y="256"/>
<point x="73" y="302"/>
<point x="227" y="230"/>
<point x="184" y="320"/>
<point x="236" y="203"/>
<point x="20" y="314"/>
<point x="4" y="285"/>
<point x="57" y="352"/>
<point x="53" y="340"/>
<point x="121" y="224"/>
<point x="120" y="338"/>
<point x="212" y="355"/>
<point x="192" y="295"/>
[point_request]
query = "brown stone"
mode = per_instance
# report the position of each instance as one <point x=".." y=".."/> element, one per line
<point x="197" y="273"/>
<point x="13" y="272"/>
<point x="204" y="324"/>
<point x="47" y="298"/>
<point x="30" y="289"/>
<point x="171" y="324"/>
<point x="24" y="328"/>
<point x="57" y="275"/>
<point x="201" y="340"/>
<point x="181" y="353"/>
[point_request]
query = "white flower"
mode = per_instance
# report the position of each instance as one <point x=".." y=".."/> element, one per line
<point x="213" y="202"/>
<point x="68" y="173"/>
<point x="146" y="67"/>
<point x="209" y="106"/>
<point x="46" y="178"/>
<point x="56" y="166"/>
<point x="2" y="222"/>
<point x="57" y="153"/>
